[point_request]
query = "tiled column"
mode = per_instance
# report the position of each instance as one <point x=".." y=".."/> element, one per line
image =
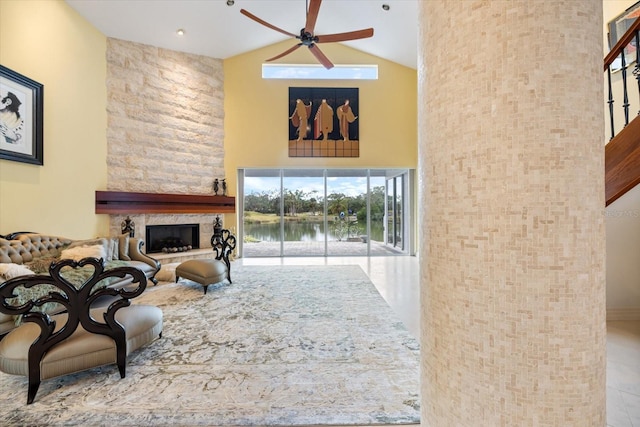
<point x="511" y="148"/>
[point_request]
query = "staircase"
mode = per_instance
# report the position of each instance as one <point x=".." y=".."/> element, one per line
<point x="622" y="153"/>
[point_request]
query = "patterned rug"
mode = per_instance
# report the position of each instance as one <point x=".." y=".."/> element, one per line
<point x="282" y="345"/>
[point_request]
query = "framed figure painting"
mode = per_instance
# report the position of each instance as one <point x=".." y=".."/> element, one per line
<point x="324" y="122"/>
<point x="21" y="110"/>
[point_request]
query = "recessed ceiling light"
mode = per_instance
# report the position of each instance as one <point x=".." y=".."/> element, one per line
<point x="385" y="7"/>
<point x="230" y="2"/>
<point x="180" y="32"/>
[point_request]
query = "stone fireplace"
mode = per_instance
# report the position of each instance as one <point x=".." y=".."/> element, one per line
<point x="165" y="134"/>
<point x="186" y="220"/>
<point x="172" y="238"/>
<point x="204" y="223"/>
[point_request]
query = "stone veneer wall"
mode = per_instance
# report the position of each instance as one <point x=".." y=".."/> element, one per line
<point x="512" y="231"/>
<point x="165" y="128"/>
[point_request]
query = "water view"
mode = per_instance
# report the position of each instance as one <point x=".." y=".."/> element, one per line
<point x="303" y="231"/>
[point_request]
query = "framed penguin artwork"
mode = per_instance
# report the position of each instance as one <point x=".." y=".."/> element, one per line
<point x="21" y="118"/>
<point x="324" y="122"/>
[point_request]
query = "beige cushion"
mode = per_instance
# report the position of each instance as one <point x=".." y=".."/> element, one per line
<point x="79" y="252"/>
<point x="82" y="350"/>
<point x="6" y="317"/>
<point x="7" y="323"/>
<point x="203" y="271"/>
<point x="123" y="247"/>
<point x="114" y="248"/>
<point x="10" y="270"/>
<point x="142" y="266"/>
<point x="103" y="241"/>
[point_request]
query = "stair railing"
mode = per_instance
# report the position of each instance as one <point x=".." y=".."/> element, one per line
<point x="632" y="35"/>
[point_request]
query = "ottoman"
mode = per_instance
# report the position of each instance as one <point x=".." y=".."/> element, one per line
<point x="204" y="271"/>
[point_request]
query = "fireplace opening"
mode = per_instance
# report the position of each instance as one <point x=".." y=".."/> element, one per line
<point x="172" y="238"/>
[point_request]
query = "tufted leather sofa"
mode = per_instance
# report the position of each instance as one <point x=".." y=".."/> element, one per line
<point x="25" y="248"/>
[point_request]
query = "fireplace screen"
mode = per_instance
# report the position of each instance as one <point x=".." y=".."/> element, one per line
<point x="172" y="238"/>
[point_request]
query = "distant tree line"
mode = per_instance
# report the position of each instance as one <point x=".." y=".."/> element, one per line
<point x="297" y="202"/>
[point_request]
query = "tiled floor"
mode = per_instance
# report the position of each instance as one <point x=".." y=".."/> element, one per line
<point x="397" y="280"/>
<point x="623" y="374"/>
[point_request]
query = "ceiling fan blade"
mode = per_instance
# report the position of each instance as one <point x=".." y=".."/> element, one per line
<point x="285" y="53"/>
<point x="340" y="37"/>
<point x="265" y="23"/>
<point x="321" y="56"/>
<point x="312" y="16"/>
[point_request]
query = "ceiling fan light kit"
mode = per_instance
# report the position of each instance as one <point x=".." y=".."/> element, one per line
<point x="308" y="38"/>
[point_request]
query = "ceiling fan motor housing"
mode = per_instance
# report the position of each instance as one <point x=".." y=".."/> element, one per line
<point x="306" y="38"/>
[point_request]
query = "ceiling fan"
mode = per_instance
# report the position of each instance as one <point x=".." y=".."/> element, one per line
<point x="307" y="38"/>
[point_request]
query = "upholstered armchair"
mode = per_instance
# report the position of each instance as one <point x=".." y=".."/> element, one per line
<point x="96" y="324"/>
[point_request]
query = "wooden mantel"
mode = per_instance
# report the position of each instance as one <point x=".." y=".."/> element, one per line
<point x="121" y="202"/>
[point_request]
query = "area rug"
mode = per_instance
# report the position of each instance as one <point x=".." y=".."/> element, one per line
<point x="282" y="345"/>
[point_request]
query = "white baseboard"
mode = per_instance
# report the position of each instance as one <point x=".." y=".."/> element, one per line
<point x="623" y="314"/>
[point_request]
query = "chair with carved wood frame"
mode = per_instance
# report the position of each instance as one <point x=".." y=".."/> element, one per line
<point x="85" y="335"/>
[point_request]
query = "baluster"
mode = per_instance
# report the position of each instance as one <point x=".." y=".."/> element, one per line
<point x="610" y="102"/>
<point x="636" y="70"/>
<point x="625" y="100"/>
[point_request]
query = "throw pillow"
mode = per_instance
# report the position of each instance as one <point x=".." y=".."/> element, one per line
<point x="108" y="253"/>
<point x="9" y="271"/>
<point x="79" y="252"/>
<point x="41" y="264"/>
<point x="114" y="246"/>
<point x="123" y="247"/>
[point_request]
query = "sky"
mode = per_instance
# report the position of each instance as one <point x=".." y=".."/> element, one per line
<point x="349" y="186"/>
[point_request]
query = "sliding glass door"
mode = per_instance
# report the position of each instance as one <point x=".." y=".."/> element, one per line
<point x="377" y="226"/>
<point x="323" y="212"/>
<point x="347" y="214"/>
<point x="303" y="219"/>
<point x="395" y="211"/>
<point x="262" y="212"/>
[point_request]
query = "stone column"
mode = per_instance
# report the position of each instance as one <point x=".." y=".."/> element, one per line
<point x="511" y="160"/>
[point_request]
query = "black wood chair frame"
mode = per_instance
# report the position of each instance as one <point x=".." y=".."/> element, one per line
<point x="77" y="303"/>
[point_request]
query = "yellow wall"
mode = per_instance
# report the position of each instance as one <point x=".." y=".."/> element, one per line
<point x="256" y="112"/>
<point x="50" y="43"/>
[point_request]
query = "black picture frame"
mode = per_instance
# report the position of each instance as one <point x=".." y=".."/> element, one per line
<point x="618" y="26"/>
<point x="324" y="109"/>
<point x="21" y="126"/>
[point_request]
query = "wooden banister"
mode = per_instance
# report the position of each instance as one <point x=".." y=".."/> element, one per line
<point x="622" y="162"/>
<point x="624" y="41"/>
<point x="622" y="153"/>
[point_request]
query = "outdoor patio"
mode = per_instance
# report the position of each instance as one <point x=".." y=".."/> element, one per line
<point x="314" y="248"/>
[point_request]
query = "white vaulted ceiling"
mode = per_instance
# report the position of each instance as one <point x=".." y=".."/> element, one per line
<point x="214" y="29"/>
